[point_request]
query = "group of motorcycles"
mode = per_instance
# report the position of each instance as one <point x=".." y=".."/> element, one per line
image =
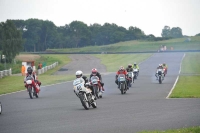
<point x="122" y="81"/>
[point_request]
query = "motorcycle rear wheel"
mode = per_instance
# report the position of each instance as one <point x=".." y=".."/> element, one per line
<point x="94" y="105"/>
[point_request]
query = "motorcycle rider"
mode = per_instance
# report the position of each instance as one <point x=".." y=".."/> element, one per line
<point x="122" y="71"/>
<point x="159" y="67"/>
<point x="135" y="66"/>
<point x="96" y="73"/>
<point x="79" y="74"/>
<point x="165" y="66"/>
<point x="32" y="74"/>
<point x="130" y="69"/>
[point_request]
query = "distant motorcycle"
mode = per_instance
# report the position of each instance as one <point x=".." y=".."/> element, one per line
<point x="160" y="75"/>
<point x="95" y="82"/>
<point x="0" y="108"/>
<point x="131" y="79"/>
<point x="165" y="71"/>
<point x="32" y="92"/>
<point x="122" y="83"/>
<point x="135" y="73"/>
<point x="84" y="93"/>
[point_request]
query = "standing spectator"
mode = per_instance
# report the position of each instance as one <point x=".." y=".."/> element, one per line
<point x="23" y="70"/>
<point x="39" y="66"/>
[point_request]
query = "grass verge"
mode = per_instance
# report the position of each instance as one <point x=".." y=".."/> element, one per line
<point x="182" y="130"/>
<point x="114" y="61"/>
<point x="188" y="85"/>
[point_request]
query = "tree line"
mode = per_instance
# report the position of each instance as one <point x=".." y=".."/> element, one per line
<point x="35" y="35"/>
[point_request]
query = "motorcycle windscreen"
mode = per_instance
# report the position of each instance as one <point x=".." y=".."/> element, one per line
<point x="121" y="77"/>
<point x="94" y="79"/>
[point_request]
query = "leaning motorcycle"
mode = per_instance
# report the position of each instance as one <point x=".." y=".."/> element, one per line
<point x="84" y="93"/>
<point x="96" y="86"/>
<point x="31" y="91"/>
<point x="131" y="79"/>
<point x="135" y="73"/>
<point x="160" y="75"/>
<point x="0" y="108"/>
<point x="122" y="83"/>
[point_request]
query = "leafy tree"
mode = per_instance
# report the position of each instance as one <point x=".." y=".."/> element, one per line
<point x="10" y="39"/>
<point x="166" y="32"/>
<point x="176" y="32"/>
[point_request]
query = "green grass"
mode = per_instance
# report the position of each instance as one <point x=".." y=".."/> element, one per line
<point x="136" y="46"/>
<point x="114" y="61"/>
<point x="188" y="85"/>
<point x="182" y="130"/>
<point x="15" y="83"/>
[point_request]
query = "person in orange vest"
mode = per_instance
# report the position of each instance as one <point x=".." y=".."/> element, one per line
<point x="23" y="70"/>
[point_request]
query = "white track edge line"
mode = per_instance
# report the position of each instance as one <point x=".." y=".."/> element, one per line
<point x="176" y="78"/>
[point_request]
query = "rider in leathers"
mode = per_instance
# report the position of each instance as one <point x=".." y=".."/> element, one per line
<point x="32" y="74"/>
<point x="130" y="69"/>
<point x="122" y="71"/>
<point x="79" y="74"/>
<point x="96" y="73"/>
<point x="159" y="67"/>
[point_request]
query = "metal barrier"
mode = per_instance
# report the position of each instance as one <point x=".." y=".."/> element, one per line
<point x="46" y="68"/>
<point x="5" y="73"/>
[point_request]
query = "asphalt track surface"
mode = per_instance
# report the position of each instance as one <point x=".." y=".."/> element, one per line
<point x="144" y="107"/>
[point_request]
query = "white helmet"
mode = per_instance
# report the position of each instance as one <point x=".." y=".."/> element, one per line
<point x="79" y="74"/>
<point x="160" y="64"/>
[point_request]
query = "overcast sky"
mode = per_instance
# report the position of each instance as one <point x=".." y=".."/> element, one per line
<point x="148" y="15"/>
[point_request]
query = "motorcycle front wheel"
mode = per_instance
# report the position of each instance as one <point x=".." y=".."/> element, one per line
<point x="94" y="105"/>
<point x="30" y="92"/>
<point x="160" y="80"/>
<point x="84" y="101"/>
<point x="122" y="87"/>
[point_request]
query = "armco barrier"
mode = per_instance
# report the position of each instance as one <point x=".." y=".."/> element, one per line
<point x="46" y="68"/>
<point x="5" y="73"/>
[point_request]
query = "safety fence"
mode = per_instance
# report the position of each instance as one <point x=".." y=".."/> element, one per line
<point x="46" y="68"/>
<point x="5" y="73"/>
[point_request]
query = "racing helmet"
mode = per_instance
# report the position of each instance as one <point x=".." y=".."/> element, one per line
<point x="79" y="74"/>
<point x="94" y="71"/>
<point x="129" y="65"/>
<point x="29" y="70"/>
<point x="121" y="68"/>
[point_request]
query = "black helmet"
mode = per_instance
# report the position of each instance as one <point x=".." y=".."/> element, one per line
<point x="130" y="65"/>
<point x="29" y="70"/>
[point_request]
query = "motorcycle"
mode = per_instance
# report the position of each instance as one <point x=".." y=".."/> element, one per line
<point x="84" y="93"/>
<point x="122" y="83"/>
<point x="165" y="71"/>
<point x="0" y="108"/>
<point x="131" y="79"/>
<point x="32" y="92"/>
<point x="135" y="73"/>
<point x="160" y="75"/>
<point x="96" y="86"/>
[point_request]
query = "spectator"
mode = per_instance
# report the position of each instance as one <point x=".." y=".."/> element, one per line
<point x="39" y="66"/>
<point x="23" y="70"/>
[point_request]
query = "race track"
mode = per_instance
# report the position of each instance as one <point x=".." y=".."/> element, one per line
<point x="144" y="107"/>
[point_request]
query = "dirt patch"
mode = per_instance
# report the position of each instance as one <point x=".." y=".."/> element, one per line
<point x="27" y="57"/>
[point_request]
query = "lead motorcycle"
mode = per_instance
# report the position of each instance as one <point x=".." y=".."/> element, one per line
<point x="29" y="85"/>
<point x="84" y="93"/>
<point x="122" y="83"/>
<point x="95" y="82"/>
<point x="160" y="75"/>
